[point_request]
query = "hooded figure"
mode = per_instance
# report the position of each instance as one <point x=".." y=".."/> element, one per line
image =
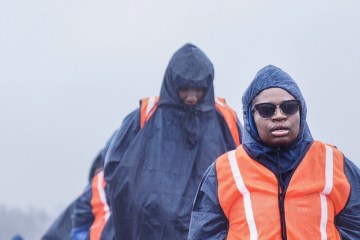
<point x="82" y="216"/>
<point x="90" y="210"/>
<point x="153" y="172"/>
<point x="75" y="221"/>
<point x="272" y="186"/>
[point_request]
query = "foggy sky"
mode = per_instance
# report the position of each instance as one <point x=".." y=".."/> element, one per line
<point x="70" y="71"/>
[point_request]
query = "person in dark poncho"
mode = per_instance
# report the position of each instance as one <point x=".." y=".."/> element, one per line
<point x="91" y="211"/>
<point x="86" y="207"/>
<point x="155" y="163"/>
<point x="77" y="213"/>
<point x="280" y="183"/>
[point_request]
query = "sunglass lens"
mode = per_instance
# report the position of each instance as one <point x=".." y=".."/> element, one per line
<point x="290" y="107"/>
<point x="266" y="110"/>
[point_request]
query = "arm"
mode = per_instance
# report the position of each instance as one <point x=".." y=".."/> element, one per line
<point x="207" y="218"/>
<point x="348" y="220"/>
<point x="115" y="149"/>
<point x="120" y="142"/>
<point x="83" y="210"/>
<point x="82" y="216"/>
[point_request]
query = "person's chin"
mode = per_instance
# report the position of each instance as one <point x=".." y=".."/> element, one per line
<point x="280" y="142"/>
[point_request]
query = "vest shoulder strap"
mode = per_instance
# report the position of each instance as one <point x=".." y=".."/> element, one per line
<point x="100" y="208"/>
<point x="147" y="108"/>
<point x="230" y="117"/>
<point x="149" y="105"/>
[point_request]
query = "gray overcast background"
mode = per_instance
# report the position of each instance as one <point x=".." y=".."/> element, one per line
<point x="70" y="71"/>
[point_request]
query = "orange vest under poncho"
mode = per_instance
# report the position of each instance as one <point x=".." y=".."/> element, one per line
<point x="99" y="204"/>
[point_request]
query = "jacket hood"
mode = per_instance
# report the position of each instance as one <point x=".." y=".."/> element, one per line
<point x="188" y="67"/>
<point x="97" y="163"/>
<point x="274" y="77"/>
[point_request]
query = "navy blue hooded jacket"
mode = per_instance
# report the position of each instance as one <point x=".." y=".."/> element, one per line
<point x="209" y="222"/>
<point x="153" y="173"/>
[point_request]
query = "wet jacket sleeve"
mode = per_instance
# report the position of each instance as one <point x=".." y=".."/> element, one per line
<point x="207" y="218"/>
<point x="348" y="220"/>
<point x="82" y="216"/>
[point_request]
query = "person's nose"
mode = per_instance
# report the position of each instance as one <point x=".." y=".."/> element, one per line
<point x="192" y="98"/>
<point x="279" y="115"/>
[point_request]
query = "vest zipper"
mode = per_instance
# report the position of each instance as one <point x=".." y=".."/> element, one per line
<point x="281" y="198"/>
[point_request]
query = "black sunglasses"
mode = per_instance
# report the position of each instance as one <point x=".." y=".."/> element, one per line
<point x="267" y="110"/>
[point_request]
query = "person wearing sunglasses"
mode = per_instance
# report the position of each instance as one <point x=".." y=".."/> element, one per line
<point x="280" y="183"/>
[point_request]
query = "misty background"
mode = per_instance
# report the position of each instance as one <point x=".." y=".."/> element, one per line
<point x="70" y="71"/>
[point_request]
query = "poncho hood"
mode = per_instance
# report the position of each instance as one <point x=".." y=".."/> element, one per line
<point x="188" y="67"/>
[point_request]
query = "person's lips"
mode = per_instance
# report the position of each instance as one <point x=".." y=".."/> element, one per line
<point x="280" y="131"/>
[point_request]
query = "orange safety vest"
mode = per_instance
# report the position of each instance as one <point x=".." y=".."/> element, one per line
<point x="149" y="105"/>
<point x="317" y="192"/>
<point x="100" y="208"/>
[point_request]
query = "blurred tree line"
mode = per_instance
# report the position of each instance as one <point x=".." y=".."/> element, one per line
<point x="30" y="224"/>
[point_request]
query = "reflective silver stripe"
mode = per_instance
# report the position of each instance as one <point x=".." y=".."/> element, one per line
<point x="219" y="102"/>
<point x="150" y="105"/>
<point x="245" y="193"/>
<point x="329" y="168"/>
<point x="102" y="194"/>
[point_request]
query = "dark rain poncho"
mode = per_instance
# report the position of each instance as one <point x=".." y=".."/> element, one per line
<point x="82" y="216"/>
<point x="60" y="229"/>
<point x="83" y="210"/>
<point x="77" y="216"/>
<point x="154" y="184"/>
<point x="208" y="220"/>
